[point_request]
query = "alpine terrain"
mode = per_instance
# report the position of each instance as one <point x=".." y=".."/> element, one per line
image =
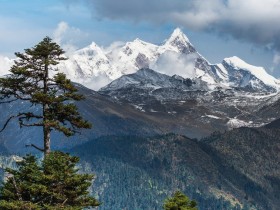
<point x="165" y="118"/>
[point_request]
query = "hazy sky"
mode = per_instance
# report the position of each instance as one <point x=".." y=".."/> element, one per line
<point x="248" y="29"/>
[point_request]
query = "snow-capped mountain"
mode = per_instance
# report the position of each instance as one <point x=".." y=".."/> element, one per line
<point x="93" y="64"/>
<point x="234" y="72"/>
<point x="95" y="67"/>
<point x="90" y="63"/>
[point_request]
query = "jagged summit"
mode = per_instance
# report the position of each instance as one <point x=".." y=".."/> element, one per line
<point x="137" y="40"/>
<point x="179" y="42"/>
<point x="178" y="34"/>
<point x="90" y="50"/>
<point x="93" y="45"/>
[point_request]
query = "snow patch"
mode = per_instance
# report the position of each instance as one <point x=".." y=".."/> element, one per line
<point x="172" y="112"/>
<point x="236" y="123"/>
<point x="139" y="108"/>
<point x="213" y="116"/>
<point x="153" y="110"/>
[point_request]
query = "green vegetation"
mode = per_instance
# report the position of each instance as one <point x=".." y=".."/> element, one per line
<point x="54" y="184"/>
<point x="31" y="80"/>
<point x="179" y="201"/>
<point x="141" y="172"/>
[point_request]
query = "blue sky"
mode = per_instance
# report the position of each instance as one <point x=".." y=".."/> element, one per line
<point x="217" y="28"/>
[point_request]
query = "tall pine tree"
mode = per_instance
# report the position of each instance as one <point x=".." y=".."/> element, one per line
<point x="34" y="78"/>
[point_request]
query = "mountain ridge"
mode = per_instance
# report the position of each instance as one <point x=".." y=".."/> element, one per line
<point x="176" y="55"/>
<point x="95" y="67"/>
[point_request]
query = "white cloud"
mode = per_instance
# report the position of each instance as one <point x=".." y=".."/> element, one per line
<point x="251" y="20"/>
<point x="113" y="46"/>
<point x="68" y="37"/>
<point x="171" y="63"/>
<point x="5" y="65"/>
<point x="60" y="31"/>
<point x="97" y="82"/>
<point x="276" y="59"/>
<point x="199" y="14"/>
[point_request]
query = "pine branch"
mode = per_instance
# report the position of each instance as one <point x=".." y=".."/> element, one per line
<point x="6" y="102"/>
<point x="32" y="145"/>
<point x="64" y="202"/>
<point x="8" y="120"/>
<point x="31" y="125"/>
<point x="25" y="116"/>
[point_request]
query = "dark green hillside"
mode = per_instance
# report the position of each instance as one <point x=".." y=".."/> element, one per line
<point x="254" y="153"/>
<point x="273" y="125"/>
<point x="237" y="168"/>
<point x="139" y="173"/>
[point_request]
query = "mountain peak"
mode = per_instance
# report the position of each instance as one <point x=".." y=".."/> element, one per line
<point x="236" y="61"/>
<point x="138" y="40"/>
<point x="93" y="46"/>
<point x="178" y="34"/>
<point x="258" y="72"/>
<point x="90" y="50"/>
<point x="180" y="42"/>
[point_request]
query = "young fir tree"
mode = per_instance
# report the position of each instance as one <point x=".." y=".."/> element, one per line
<point x="33" y="79"/>
<point x="55" y="184"/>
<point x="179" y="201"/>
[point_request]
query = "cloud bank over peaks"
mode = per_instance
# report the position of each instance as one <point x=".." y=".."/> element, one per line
<point x="251" y="20"/>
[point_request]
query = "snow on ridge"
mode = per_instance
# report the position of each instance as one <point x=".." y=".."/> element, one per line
<point x="88" y="50"/>
<point x="258" y="72"/>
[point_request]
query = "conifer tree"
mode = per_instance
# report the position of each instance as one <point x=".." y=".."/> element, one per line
<point x="34" y="79"/>
<point x="54" y="184"/>
<point x="179" y="201"/>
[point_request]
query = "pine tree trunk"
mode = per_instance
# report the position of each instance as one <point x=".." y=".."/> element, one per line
<point x="46" y="128"/>
<point x="47" y="140"/>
